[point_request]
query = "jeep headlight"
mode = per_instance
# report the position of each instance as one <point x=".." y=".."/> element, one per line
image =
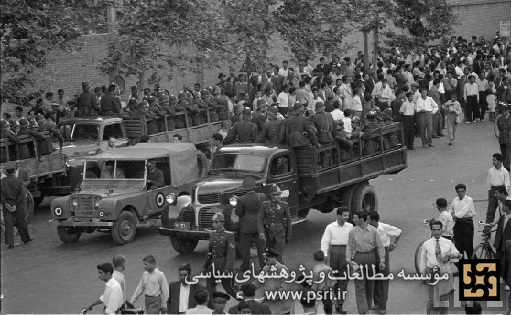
<point x="97" y="205"/>
<point x="57" y="211"/>
<point x="171" y="198"/>
<point x="74" y="202"/>
<point x="233" y="201"/>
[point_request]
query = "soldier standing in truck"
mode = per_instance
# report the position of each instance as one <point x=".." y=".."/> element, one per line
<point x="274" y="222"/>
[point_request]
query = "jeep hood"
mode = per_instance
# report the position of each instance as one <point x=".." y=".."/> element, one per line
<point x="103" y="191"/>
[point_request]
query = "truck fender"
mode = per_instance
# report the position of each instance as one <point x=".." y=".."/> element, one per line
<point x="172" y="212"/>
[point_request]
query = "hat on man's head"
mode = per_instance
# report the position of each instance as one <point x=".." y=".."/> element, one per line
<point x="205" y="93"/>
<point x="319" y="107"/>
<point x="221" y="295"/>
<point x="246" y="113"/>
<point x="218" y="217"/>
<point x="260" y="103"/>
<point x="216" y="90"/>
<point x="152" y="100"/>
<point x="132" y="102"/>
<point x="249" y="183"/>
<point x="271" y="253"/>
<point x="274" y="190"/>
<point x="371" y="115"/>
<point x="221" y="75"/>
<point x="272" y="111"/>
<point x="163" y="98"/>
<point x="10" y="165"/>
<point x="40" y="117"/>
<point x="297" y="109"/>
<point x="441" y="202"/>
<point x="23" y="122"/>
<point x="86" y="85"/>
<point x="416" y="84"/>
<point x="182" y="96"/>
<point x="173" y="99"/>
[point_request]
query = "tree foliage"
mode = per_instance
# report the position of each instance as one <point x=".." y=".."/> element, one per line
<point x="162" y="35"/>
<point x="30" y="30"/>
<point x="421" y="22"/>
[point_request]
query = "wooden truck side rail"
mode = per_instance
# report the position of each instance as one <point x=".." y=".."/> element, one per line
<point x="321" y="170"/>
<point x="137" y="127"/>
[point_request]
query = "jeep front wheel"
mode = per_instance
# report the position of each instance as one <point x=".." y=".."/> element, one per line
<point x="124" y="229"/>
<point x="183" y="245"/>
<point x="69" y="234"/>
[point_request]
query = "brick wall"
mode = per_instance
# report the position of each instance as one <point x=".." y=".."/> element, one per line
<point x="68" y="70"/>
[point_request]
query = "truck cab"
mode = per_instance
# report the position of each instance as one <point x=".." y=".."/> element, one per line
<point x="115" y="196"/>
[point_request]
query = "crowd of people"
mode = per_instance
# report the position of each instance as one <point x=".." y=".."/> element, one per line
<point x="339" y="100"/>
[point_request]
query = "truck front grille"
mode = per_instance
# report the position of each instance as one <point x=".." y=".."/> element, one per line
<point x="208" y="198"/>
<point x="85" y="206"/>
<point x="205" y="218"/>
<point x="188" y="215"/>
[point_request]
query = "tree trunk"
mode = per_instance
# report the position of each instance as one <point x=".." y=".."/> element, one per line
<point x="142" y="85"/>
<point x="375" y="49"/>
<point x="112" y="32"/>
<point x="366" y="56"/>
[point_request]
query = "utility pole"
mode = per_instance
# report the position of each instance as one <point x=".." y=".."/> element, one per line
<point x="112" y="32"/>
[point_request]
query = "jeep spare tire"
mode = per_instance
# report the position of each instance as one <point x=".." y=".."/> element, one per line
<point x="183" y="245"/>
<point x="124" y="229"/>
<point x="69" y="234"/>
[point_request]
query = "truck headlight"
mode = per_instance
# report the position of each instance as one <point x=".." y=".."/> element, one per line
<point x="57" y="211"/>
<point x="74" y="202"/>
<point x="233" y="201"/>
<point x="171" y="198"/>
<point x="97" y="205"/>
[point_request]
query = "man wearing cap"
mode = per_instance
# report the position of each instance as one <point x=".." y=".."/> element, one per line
<point x="274" y="222"/>
<point x="163" y="100"/>
<point x="260" y="116"/>
<point x="334" y="245"/>
<point x="324" y="124"/>
<point x="6" y="133"/>
<point x="445" y="217"/>
<point x="272" y="130"/>
<point x="220" y="300"/>
<point x="295" y="127"/>
<point x="425" y="106"/>
<point x="221" y="102"/>
<point x="86" y="102"/>
<point x="244" y="131"/>
<point x="206" y="97"/>
<point x="222" y="78"/>
<point x="12" y="199"/>
<point x="110" y="103"/>
<point x="46" y="124"/>
<point x="248" y="208"/>
<point x="221" y="256"/>
<point x="150" y="117"/>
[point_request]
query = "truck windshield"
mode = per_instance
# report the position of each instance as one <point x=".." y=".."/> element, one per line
<point x="75" y="132"/>
<point x="112" y="169"/>
<point x="238" y="162"/>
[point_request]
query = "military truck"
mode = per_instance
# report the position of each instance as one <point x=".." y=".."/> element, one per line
<point x="121" y="201"/>
<point x="309" y="178"/>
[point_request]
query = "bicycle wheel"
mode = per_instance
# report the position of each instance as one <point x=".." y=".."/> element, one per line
<point x="417" y="257"/>
<point x="482" y="251"/>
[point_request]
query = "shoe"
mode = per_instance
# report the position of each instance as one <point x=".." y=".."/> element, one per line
<point x="468" y="122"/>
<point x="507" y="287"/>
<point x="339" y="309"/>
<point x="30" y="240"/>
<point x="449" y="143"/>
<point x="430" y="145"/>
<point x="375" y="307"/>
<point x="10" y="246"/>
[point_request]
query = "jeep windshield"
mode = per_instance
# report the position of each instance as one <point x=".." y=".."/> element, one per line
<point x="238" y="162"/>
<point x="115" y="169"/>
<point x="78" y="132"/>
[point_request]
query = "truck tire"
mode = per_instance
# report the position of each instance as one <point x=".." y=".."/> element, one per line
<point x="183" y="245"/>
<point x="365" y="198"/>
<point x="30" y="207"/>
<point x="125" y="228"/>
<point x="69" y="234"/>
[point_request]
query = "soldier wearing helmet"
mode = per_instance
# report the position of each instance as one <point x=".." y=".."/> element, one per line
<point x="221" y="256"/>
<point x="274" y="222"/>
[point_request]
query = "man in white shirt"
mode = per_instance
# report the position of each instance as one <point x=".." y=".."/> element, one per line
<point x="407" y="116"/>
<point x="425" y="106"/>
<point x="445" y="217"/>
<point x="337" y="114"/>
<point x="389" y="235"/>
<point x="119" y="262"/>
<point x="472" y="99"/>
<point x="463" y="211"/>
<point x="498" y="176"/>
<point x="113" y="295"/>
<point x="334" y="245"/>
<point x="201" y="298"/>
<point x="347" y="121"/>
<point x="284" y="70"/>
<point x="282" y="99"/>
<point x="436" y="254"/>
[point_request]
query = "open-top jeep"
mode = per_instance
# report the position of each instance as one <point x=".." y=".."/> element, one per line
<point x="116" y="193"/>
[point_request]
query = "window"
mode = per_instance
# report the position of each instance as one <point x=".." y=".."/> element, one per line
<point x="239" y="162"/>
<point x="103" y="169"/>
<point x="79" y="132"/>
<point x="113" y="130"/>
<point x="280" y="166"/>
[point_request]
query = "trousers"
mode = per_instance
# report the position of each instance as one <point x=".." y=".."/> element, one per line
<point x="408" y="122"/>
<point x="471" y="108"/>
<point x="463" y="232"/>
<point x="483" y="104"/>
<point x="246" y="240"/>
<point x="364" y="288"/>
<point x="491" y="207"/>
<point x="451" y="125"/>
<point x="437" y="124"/>
<point x="276" y="239"/>
<point x="338" y="261"/>
<point x="425" y="122"/>
<point x="15" y="219"/>
<point x="381" y="288"/>
<point x="153" y="304"/>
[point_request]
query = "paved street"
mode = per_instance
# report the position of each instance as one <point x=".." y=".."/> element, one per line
<point x="47" y="276"/>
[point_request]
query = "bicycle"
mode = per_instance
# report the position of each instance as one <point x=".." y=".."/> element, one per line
<point x="484" y="250"/>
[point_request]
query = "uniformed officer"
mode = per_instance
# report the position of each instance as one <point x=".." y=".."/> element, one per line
<point x="220" y="300"/>
<point x="242" y="132"/>
<point x="503" y="126"/>
<point x="274" y="222"/>
<point x="221" y="256"/>
<point x="272" y="130"/>
<point x="247" y="208"/>
<point x="12" y="199"/>
<point x="6" y="133"/>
